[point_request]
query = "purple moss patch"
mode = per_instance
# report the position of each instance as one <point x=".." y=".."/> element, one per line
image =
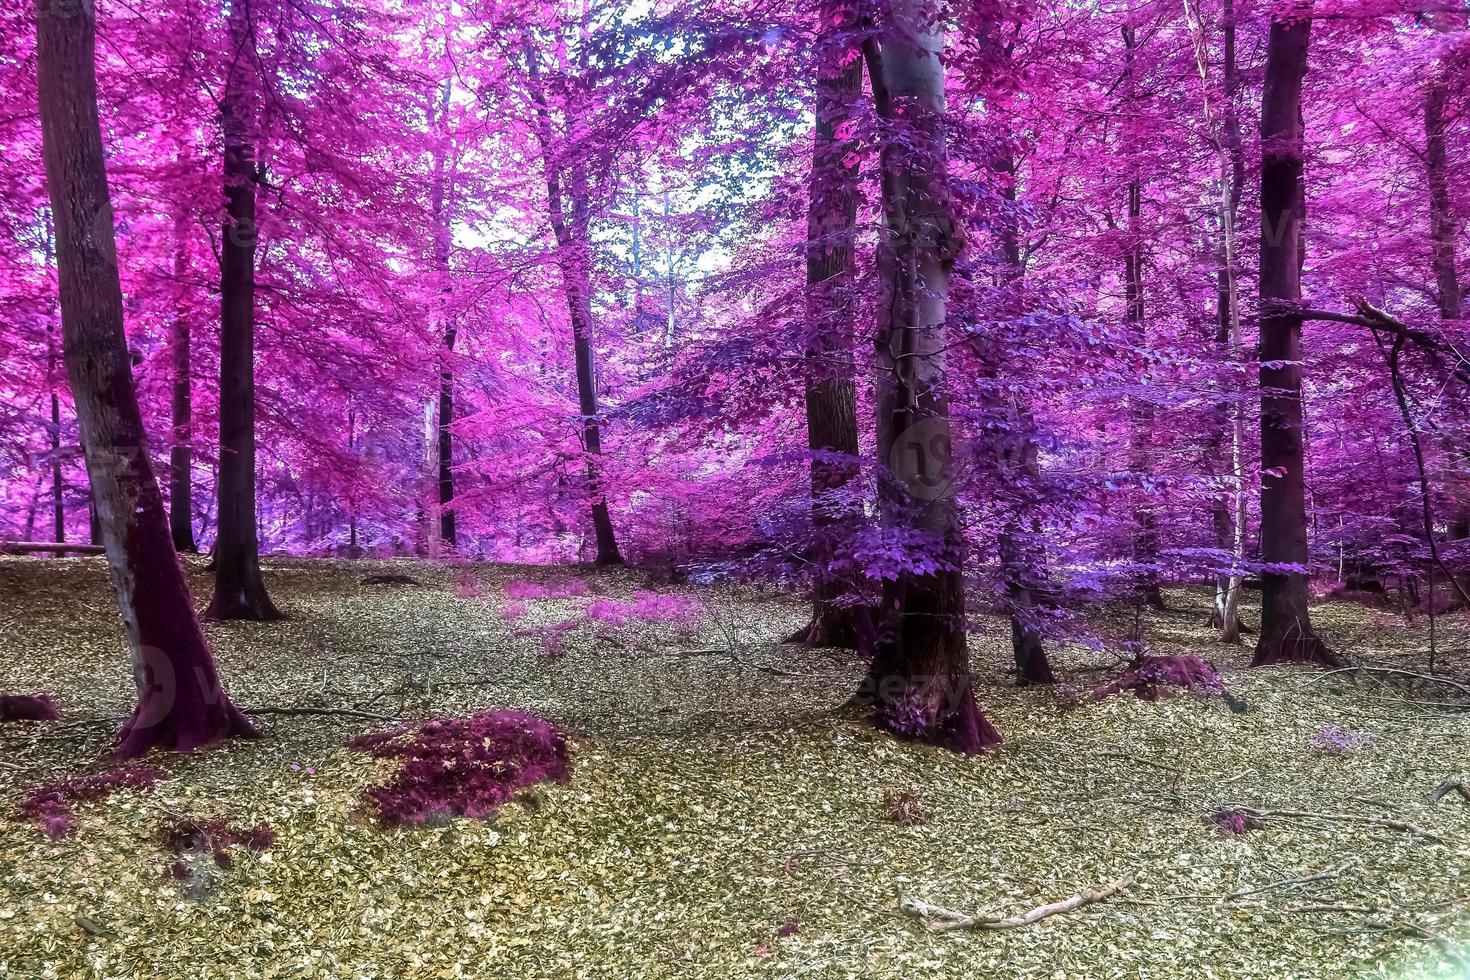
<point x="49" y="806"/>
<point x="463" y="766"/>
<point x="27" y="707"/>
<point x="212" y="835"/>
<point x="1151" y="678"/>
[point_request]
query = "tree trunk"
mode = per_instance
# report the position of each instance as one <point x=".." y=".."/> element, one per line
<point x="574" y="259"/>
<point x="1448" y="295"/>
<point x="58" y="502"/>
<point x="239" y="589"/>
<point x="1022" y="551"/>
<point x="1140" y="410"/>
<point x="1286" y="629"/>
<point x="440" y="205"/>
<point x="181" y="453"/>
<point x="831" y="391"/>
<point x="181" y="704"/>
<point x="920" y="678"/>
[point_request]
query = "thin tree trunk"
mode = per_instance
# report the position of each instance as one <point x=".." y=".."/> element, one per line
<point x="920" y="677"/>
<point x="181" y="453"/>
<point x="58" y="502"/>
<point x="1140" y="410"/>
<point x="239" y="588"/>
<point x="440" y="205"/>
<point x="831" y="390"/>
<point x="1286" y="628"/>
<point x="574" y="258"/>
<point x="181" y="704"/>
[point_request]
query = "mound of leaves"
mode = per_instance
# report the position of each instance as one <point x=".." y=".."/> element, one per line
<point x="27" y="707"/>
<point x="1153" y="677"/>
<point x="463" y="766"/>
<point x="49" y="805"/>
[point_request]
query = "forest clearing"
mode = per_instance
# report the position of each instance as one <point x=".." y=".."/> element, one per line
<point x="725" y="815"/>
<point x="734" y="488"/>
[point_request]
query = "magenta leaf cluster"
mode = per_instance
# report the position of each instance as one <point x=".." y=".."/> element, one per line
<point x="27" y="707"/>
<point x="216" y="836"/>
<point x="49" y="805"/>
<point x="466" y="767"/>
<point x="1334" y="740"/>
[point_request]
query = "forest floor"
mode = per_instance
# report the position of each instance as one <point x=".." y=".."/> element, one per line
<point x="726" y="818"/>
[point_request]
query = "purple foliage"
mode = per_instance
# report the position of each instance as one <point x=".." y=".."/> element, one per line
<point x="647" y="607"/>
<point x="215" y="835"/>
<point x="788" y="928"/>
<point x="1154" y="677"/>
<point x="514" y="609"/>
<point x="49" y="806"/>
<point x="463" y="766"/>
<point x="27" y="707"/>
<point x="1333" y="740"/>
<point x="909" y="715"/>
<point x="569" y="589"/>
<point x="1233" y="823"/>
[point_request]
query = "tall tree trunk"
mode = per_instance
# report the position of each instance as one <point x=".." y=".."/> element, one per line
<point x="181" y="453"/>
<point x="181" y="704"/>
<point x="1286" y="629"/>
<point x="920" y="677"/>
<point x="239" y="589"/>
<point x="1229" y="508"/>
<point x="58" y="502"/>
<point x="574" y="259"/>
<point x="1448" y="294"/>
<point x="1140" y="410"/>
<point x="440" y="205"/>
<point x="831" y="391"/>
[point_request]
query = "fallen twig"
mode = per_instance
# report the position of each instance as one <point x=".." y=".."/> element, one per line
<point x="939" y="919"/>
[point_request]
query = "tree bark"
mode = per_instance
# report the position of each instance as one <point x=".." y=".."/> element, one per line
<point x="239" y="588"/>
<point x="181" y="704"/>
<point x="181" y="453"/>
<point x="920" y="679"/>
<point x="831" y="389"/>
<point x="574" y="259"/>
<point x="1286" y="629"/>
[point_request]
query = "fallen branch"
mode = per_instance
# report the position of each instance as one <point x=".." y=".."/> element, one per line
<point x="939" y="919"/>
<point x="1324" y="875"/>
<point x="1400" y="825"/>
<point x="348" y="712"/>
<point x="48" y="547"/>
<point x="1451" y="784"/>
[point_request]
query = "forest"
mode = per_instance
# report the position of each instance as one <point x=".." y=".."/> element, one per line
<point x="724" y="488"/>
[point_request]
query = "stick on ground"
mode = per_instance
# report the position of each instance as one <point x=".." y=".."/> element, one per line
<point x="946" y="920"/>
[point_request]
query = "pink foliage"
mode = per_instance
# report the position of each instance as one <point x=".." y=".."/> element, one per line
<point x="463" y="766"/>
<point x="49" y="806"/>
<point x="571" y="588"/>
<point x="27" y="707"/>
